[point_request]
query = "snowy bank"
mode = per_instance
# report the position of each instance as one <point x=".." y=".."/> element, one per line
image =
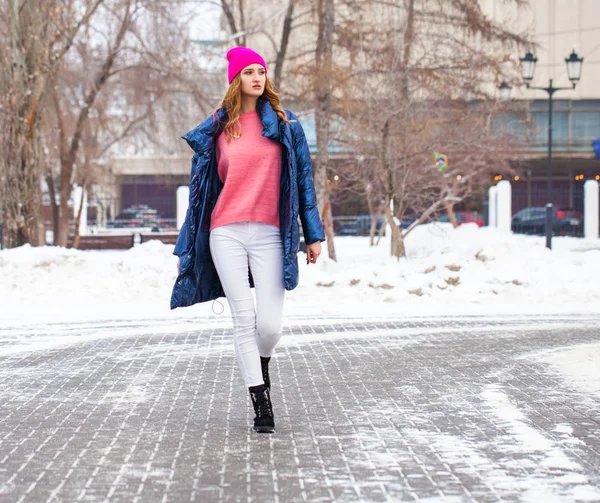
<point x="468" y="270"/>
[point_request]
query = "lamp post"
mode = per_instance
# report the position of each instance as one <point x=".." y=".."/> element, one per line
<point x="574" y="63"/>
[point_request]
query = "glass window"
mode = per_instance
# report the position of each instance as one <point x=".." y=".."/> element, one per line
<point x="586" y="104"/>
<point x="542" y="105"/>
<point x="537" y="212"/>
<point x="508" y="123"/>
<point x="586" y="125"/>
<point x="560" y="125"/>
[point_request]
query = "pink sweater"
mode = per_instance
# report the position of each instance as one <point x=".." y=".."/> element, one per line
<point x="250" y="169"/>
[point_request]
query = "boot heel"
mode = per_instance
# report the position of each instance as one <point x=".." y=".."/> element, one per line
<point x="264" y="422"/>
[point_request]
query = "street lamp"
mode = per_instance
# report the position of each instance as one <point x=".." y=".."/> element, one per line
<point x="528" y="67"/>
<point x="574" y="63"/>
<point x="504" y="91"/>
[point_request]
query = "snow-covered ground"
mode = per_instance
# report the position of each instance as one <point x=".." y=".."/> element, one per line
<point x="579" y="365"/>
<point x="468" y="270"/>
<point x="55" y="297"/>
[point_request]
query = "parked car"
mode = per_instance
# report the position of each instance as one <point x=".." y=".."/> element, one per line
<point x="140" y="215"/>
<point x="572" y="223"/>
<point x="575" y="217"/>
<point x="359" y="225"/>
<point x="533" y="221"/>
<point x="463" y="217"/>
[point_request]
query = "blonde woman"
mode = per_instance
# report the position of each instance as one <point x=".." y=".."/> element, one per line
<point x="251" y="179"/>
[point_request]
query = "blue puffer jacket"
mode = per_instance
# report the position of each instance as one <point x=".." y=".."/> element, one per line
<point x="197" y="280"/>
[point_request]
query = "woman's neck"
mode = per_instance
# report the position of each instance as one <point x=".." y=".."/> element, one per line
<point x="248" y="103"/>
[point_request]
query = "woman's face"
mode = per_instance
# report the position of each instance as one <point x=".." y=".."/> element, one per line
<point x="253" y="80"/>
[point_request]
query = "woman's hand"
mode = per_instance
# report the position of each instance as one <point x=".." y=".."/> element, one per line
<point x="312" y="252"/>
<point x="178" y="265"/>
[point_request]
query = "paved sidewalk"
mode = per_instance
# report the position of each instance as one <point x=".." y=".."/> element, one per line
<point x="454" y="409"/>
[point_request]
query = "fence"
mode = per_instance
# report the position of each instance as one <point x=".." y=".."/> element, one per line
<point x="576" y="209"/>
<point x="122" y="241"/>
<point x="529" y="211"/>
<point x="358" y="225"/>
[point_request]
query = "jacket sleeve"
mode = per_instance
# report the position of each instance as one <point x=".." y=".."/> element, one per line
<point x="181" y="246"/>
<point x="307" y="197"/>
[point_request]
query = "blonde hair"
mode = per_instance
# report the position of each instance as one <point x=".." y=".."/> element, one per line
<point x="232" y="103"/>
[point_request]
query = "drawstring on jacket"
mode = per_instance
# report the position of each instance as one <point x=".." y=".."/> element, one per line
<point x="213" y="306"/>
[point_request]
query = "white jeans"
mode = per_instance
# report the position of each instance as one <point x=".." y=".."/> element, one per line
<point x="255" y="332"/>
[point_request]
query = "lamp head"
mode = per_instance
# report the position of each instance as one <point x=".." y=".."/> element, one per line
<point x="504" y="90"/>
<point x="574" y="64"/>
<point x="528" y="67"/>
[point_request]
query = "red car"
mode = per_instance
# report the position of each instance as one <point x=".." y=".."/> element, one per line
<point x="463" y="217"/>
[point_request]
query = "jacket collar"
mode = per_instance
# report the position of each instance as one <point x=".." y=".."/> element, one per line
<point x="269" y="119"/>
<point x="199" y="138"/>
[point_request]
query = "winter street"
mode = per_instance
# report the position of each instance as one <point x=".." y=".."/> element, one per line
<point x="473" y="408"/>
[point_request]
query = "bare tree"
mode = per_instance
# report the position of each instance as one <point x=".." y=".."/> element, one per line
<point x="420" y="67"/>
<point x="236" y="21"/>
<point x="323" y="92"/>
<point x="137" y="57"/>
<point x="69" y="148"/>
<point x="35" y="37"/>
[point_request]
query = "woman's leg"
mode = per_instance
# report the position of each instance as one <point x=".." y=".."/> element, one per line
<point x="228" y="250"/>
<point x="265" y="254"/>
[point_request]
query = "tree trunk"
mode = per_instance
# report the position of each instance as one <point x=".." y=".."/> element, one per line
<point x="238" y="32"/>
<point x="450" y="211"/>
<point x="322" y="116"/>
<point x="373" y="229"/>
<point x="285" y="37"/>
<point x="381" y="232"/>
<point x="398" y="249"/>
<point x="397" y="239"/>
<point x="21" y="191"/>
<point x="53" y="203"/>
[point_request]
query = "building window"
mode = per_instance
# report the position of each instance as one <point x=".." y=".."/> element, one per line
<point x="586" y="125"/>
<point x="560" y="126"/>
<point x="574" y="124"/>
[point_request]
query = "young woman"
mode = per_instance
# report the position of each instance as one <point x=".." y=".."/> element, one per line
<point x="251" y="179"/>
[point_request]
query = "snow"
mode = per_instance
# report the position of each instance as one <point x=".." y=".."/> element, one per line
<point x="553" y="472"/>
<point x="579" y="365"/>
<point x="55" y="297"/>
<point x="523" y="463"/>
<point x="493" y="272"/>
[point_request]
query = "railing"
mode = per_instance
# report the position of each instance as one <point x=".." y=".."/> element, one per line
<point x="161" y="223"/>
<point x="122" y="241"/>
<point x="358" y="225"/>
<point x="529" y="211"/>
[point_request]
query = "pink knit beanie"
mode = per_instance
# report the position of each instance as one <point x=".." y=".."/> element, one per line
<point x="239" y="58"/>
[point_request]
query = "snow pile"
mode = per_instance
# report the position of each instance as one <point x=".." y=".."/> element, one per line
<point x="462" y="269"/>
<point x="63" y="283"/>
<point x="579" y="365"/>
<point x="468" y="270"/>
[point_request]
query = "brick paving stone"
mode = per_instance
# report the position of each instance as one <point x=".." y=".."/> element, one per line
<point x="440" y="409"/>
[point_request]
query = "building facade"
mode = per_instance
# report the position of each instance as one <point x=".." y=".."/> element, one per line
<point x="556" y="27"/>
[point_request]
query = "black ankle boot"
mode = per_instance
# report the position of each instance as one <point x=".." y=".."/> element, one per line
<point x="264" y="364"/>
<point x="264" y="422"/>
